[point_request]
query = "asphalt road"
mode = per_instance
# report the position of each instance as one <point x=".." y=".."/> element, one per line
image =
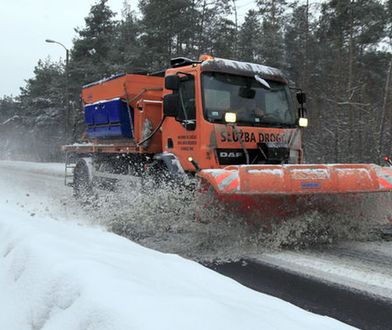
<point x="357" y="308"/>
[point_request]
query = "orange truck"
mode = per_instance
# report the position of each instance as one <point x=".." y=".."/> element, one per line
<point x="231" y="124"/>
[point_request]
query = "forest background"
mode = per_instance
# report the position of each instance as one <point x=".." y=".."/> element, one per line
<point x="338" y="51"/>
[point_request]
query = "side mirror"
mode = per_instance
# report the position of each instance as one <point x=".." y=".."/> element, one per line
<point x="172" y="82"/>
<point x="301" y="97"/>
<point x="171" y="105"/>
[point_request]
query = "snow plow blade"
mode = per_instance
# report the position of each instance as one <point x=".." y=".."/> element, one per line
<point x="299" y="179"/>
<point x="280" y="190"/>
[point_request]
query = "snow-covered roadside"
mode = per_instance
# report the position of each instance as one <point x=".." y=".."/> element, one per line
<point x="38" y="189"/>
<point x="58" y="274"/>
<point x="52" y="169"/>
<point x="363" y="266"/>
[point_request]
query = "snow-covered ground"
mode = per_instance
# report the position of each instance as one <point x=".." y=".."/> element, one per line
<point x="57" y="271"/>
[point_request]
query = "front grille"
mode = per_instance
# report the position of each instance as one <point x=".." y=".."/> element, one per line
<point x="264" y="154"/>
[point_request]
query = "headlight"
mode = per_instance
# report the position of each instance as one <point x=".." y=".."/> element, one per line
<point x="303" y="122"/>
<point x="230" y="117"/>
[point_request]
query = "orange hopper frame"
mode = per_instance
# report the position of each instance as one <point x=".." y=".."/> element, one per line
<point x="144" y="96"/>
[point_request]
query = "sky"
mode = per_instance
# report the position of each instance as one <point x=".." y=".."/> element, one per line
<point x="25" y="24"/>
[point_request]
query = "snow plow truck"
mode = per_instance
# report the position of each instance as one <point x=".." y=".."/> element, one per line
<point x="232" y="125"/>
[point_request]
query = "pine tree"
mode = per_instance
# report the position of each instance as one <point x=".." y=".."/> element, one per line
<point x="166" y="30"/>
<point x="9" y="107"/>
<point x="272" y="44"/>
<point x="386" y="109"/>
<point x="217" y="32"/>
<point x="46" y="88"/>
<point x="348" y="32"/>
<point x="299" y="44"/>
<point x="224" y="38"/>
<point x="302" y="65"/>
<point x="250" y="38"/>
<point x="91" y="51"/>
<point x="126" y="53"/>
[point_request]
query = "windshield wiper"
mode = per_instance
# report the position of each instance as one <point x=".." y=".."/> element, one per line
<point x="263" y="82"/>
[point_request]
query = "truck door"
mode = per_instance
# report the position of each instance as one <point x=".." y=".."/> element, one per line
<point x="180" y="133"/>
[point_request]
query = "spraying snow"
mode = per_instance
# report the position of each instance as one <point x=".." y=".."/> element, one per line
<point x="178" y="220"/>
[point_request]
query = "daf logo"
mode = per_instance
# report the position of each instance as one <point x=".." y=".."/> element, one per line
<point x="224" y="154"/>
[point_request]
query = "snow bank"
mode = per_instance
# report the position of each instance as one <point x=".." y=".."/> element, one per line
<point x="58" y="275"/>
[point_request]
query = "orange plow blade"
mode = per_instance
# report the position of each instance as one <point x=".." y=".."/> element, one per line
<point x="286" y="190"/>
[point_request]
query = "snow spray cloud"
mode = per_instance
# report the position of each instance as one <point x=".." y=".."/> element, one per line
<point x="178" y="219"/>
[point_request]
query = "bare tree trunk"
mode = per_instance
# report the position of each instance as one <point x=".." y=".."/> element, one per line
<point x="349" y="85"/>
<point x="305" y="76"/>
<point x="384" y="109"/>
<point x="235" y="46"/>
<point x="201" y="32"/>
<point x="338" y="87"/>
<point x="361" y="127"/>
<point x="274" y="24"/>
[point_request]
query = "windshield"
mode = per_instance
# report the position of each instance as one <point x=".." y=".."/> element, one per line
<point x="254" y="103"/>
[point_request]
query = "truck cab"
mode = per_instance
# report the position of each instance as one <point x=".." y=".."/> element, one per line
<point x="221" y="112"/>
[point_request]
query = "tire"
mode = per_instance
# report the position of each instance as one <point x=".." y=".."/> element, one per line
<point x="82" y="182"/>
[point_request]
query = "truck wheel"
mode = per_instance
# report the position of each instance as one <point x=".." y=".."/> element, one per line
<point x="82" y="183"/>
